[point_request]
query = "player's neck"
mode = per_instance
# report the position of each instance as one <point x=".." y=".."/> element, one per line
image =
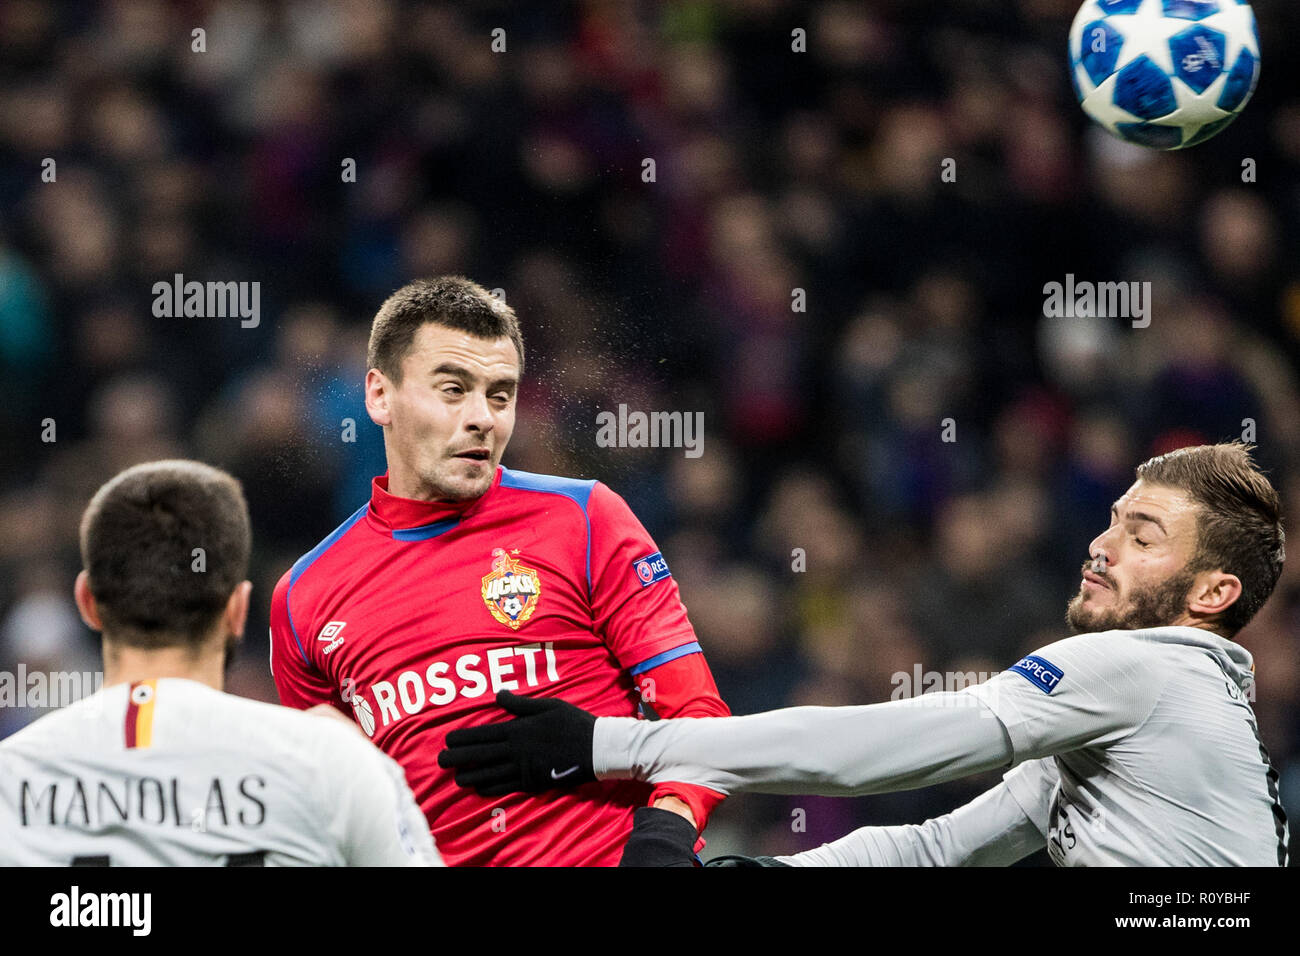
<point x="410" y="486"/>
<point x="124" y="664"/>
<point x="1188" y="620"/>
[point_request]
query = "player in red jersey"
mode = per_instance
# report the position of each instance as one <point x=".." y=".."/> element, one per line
<point x="460" y="578"/>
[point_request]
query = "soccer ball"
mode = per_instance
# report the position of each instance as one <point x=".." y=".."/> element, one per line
<point x="1164" y="73"/>
<point x="365" y="716"/>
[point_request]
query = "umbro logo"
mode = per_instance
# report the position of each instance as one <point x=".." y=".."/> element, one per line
<point x="330" y="632"/>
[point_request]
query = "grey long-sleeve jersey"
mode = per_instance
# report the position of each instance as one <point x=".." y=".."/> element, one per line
<point x="1128" y="748"/>
<point x="991" y="830"/>
<point x="175" y="773"/>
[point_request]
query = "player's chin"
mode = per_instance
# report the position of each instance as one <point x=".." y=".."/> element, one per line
<point x="467" y="478"/>
<point x="1080" y="617"/>
<point x="1086" y="613"/>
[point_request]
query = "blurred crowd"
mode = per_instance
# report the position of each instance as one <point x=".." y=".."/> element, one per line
<point x="835" y="533"/>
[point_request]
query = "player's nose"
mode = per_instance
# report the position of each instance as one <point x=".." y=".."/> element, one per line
<point x="1102" y="551"/>
<point x="478" y="414"/>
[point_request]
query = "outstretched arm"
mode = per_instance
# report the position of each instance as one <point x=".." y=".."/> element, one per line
<point x="994" y="829"/>
<point x="1091" y="689"/>
<point x="834" y="751"/>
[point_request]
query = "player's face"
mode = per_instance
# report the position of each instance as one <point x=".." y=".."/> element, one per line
<point x="452" y="415"/>
<point x="1138" y="576"/>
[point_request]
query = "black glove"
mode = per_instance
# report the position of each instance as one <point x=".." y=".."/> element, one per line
<point x="547" y="746"/>
<point x="659" y="838"/>
<point x="745" y="861"/>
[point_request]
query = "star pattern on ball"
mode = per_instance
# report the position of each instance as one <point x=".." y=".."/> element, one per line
<point x="1201" y="106"/>
<point x="1147" y="31"/>
<point x="1100" y="105"/>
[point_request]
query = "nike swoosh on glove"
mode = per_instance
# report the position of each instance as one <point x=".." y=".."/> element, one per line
<point x="546" y="747"/>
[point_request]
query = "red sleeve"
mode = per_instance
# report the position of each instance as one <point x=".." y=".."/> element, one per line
<point x="299" y="683"/>
<point x="635" y="607"/>
<point x="638" y="612"/>
<point x="684" y="687"/>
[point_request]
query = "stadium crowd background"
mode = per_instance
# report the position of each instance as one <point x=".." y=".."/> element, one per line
<point x="775" y="171"/>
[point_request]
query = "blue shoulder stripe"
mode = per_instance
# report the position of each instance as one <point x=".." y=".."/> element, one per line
<point x="670" y="655"/>
<point x="575" y="488"/>
<point x="306" y="561"/>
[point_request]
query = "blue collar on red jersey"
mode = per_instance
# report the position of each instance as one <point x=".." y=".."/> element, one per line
<point x="407" y="519"/>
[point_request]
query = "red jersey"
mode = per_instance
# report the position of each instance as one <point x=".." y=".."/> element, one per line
<point x="413" y="614"/>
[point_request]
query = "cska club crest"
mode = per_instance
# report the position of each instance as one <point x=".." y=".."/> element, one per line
<point x="511" y="590"/>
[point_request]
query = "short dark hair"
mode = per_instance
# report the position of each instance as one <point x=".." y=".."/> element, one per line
<point x="451" y="301"/>
<point x="1239" y="527"/>
<point x="139" y="536"/>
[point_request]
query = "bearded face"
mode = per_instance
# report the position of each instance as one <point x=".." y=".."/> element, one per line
<point x="1141" y="605"/>
<point x="1144" y="565"/>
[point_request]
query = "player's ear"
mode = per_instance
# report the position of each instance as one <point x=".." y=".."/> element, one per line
<point x="235" y="617"/>
<point x="86" y="602"/>
<point x="377" y="393"/>
<point x="1213" y="593"/>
